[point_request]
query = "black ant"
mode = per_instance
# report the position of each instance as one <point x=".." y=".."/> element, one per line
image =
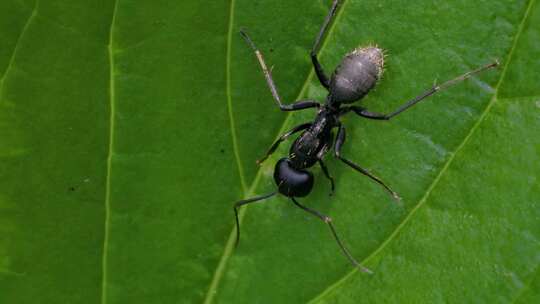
<point x="357" y="74"/>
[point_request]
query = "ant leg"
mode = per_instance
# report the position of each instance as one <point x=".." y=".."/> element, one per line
<point x="281" y="139"/>
<point x="339" y="142"/>
<point x="299" y="105"/>
<point x="323" y="79"/>
<point x="372" y="115"/>
<point x="244" y="202"/>
<point x="328" y="221"/>
<point x="327" y="174"/>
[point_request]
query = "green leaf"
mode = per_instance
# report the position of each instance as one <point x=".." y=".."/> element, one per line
<point x="129" y="129"/>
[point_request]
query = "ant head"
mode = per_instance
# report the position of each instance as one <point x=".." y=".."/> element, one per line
<point x="292" y="182"/>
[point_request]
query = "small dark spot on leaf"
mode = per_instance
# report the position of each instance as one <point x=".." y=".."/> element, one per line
<point x="271" y="50"/>
<point x="221" y="150"/>
<point x="71" y="188"/>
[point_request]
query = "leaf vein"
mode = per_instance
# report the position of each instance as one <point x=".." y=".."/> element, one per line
<point x="250" y="191"/>
<point x="216" y="279"/>
<point x="229" y="99"/>
<point x="443" y="169"/>
<point x="110" y="48"/>
<point x="518" y="99"/>
<point x="526" y="286"/>
<point x="17" y="44"/>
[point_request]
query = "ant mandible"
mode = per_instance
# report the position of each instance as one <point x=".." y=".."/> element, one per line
<point x="357" y="74"/>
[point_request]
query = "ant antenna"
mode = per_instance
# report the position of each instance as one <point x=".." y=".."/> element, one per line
<point x="244" y="202"/>
<point x="328" y="221"/>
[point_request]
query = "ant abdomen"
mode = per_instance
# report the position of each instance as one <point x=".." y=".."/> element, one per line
<point x="292" y="182"/>
<point x="357" y="74"/>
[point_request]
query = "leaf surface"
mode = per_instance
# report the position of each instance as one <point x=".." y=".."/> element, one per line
<point x="129" y="128"/>
<point x="456" y="219"/>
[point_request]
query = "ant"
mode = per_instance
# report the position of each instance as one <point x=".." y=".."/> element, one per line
<point x="357" y="74"/>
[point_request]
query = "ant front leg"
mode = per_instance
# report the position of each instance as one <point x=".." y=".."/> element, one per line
<point x="339" y="142"/>
<point x="378" y="116"/>
<point x="281" y="139"/>
<point x="323" y="79"/>
<point x="299" y="105"/>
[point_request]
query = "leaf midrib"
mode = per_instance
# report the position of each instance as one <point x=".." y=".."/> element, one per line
<point x="216" y="279"/>
<point x="444" y="168"/>
<point x="110" y="48"/>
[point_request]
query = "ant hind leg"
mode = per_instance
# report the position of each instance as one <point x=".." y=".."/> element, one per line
<point x="379" y="116"/>
<point x="298" y="105"/>
<point x="323" y="79"/>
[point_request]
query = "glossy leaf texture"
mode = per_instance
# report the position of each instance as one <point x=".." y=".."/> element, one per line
<point x="129" y="128"/>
